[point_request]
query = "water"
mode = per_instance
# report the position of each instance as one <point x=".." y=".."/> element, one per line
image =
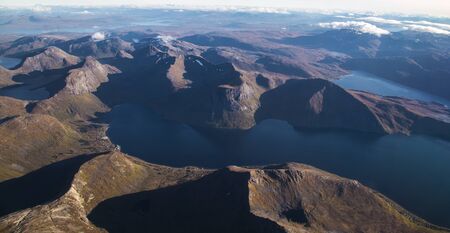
<point x="25" y="92"/>
<point x="368" y="82"/>
<point x="413" y="171"/>
<point x="8" y="62"/>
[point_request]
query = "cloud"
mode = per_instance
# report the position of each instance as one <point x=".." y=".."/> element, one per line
<point x="41" y="9"/>
<point x="429" y="29"/>
<point x="420" y="26"/>
<point x="359" y="26"/>
<point x="245" y="9"/>
<point x="428" y="23"/>
<point x="344" y="17"/>
<point x="85" y="12"/>
<point x="381" y="20"/>
<point x="98" y="36"/>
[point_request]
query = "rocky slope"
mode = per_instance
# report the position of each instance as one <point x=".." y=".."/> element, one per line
<point x="10" y="107"/>
<point x="217" y="95"/>
<point x="58" y="127"/>
<point x="89" y="46"/>
<point x="74" y="100"/>
<point x="31" y="141"/>
<point x="51" y="58"/>
<point x="399" y="115"/>
<point x="89" y="77"/>
<point x="317" y="103"/>
<point x="27" y="44"/>
<point x="129" y="195"/>
<point x="5" y="77"/>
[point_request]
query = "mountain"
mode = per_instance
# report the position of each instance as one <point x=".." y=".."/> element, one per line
<point x="87" y="46"/>
<point x="218" y="96"/>
<point x="5" y="77"/>
<point x="365" y="45"/>
<point x="10" y="107"/>
<point x="58" y="126"/>
<point x="56" y="146"/>
<point x="71" y="92"/>
<point x="89" y="77"/>
<point x="212" y="40"/>
<point x="418" y="60"/>
<point x="429" y="73"/>
<point x="34" y="64"/>
<point x="27" y="44"/>
<point x="399" y="115"/>
<point x="27" y="138"/>
<point x="345" y="41"/>
<point x="317" y="103"/>
<point x="51" y="58"/>
<point x="118" y="193"/>
<point x="184" y="82"/>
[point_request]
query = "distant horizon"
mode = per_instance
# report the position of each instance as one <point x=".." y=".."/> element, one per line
<point x="433" y="8"/>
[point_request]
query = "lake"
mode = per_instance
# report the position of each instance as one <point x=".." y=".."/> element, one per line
<point x="362" y="81"/>
<point x="9" y="62"/>
<point x="411" y="170"/>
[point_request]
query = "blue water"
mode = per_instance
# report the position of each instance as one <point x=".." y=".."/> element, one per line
<point x="368" y="82"/>
<point x="8" y="62"/>
<point x="412" y="170"/>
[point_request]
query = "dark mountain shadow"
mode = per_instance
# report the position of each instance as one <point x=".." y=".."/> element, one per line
<point x="38" y="85"/>
<point x="279" y="67"/>
<point x="214" y="57"/>
<point x="203" y="73"/>
<point x="218" y="41"/>
<point x="40" y="186"/>
<point x="142" y="80"/>
<point x="215" y="203"/>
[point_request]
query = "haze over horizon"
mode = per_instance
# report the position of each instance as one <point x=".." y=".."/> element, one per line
<point x="420" y="7"/>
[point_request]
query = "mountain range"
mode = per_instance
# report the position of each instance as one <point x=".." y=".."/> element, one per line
<point x="52" y="103"/>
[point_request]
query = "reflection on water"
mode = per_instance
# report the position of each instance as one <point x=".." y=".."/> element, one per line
<point x="368" y="82"/>
<point x="411" y="170"/>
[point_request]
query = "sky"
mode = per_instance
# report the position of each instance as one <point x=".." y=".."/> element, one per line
<point x="422" y="7"/>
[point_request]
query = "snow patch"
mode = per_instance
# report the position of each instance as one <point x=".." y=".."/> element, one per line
<point x="98" y="36"/>
<point x="165" y="38"/>
<point x="199" y="62"/>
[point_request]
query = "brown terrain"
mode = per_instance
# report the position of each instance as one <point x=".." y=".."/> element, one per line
<point x="56" y="147"/>
<point x="322" y="104"/>
<point x="115" y="192"/>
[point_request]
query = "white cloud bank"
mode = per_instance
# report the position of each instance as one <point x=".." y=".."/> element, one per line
<point x="85" y="12"/>
<point x="359" y="26"/>
<point x="363" y="24"/>
<point x="428" y="23"/>
<point x="429" y="29"/>
<point x="41" y="9"/>
<point x="419" y="26"/>
<point x="381" y="20"/>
